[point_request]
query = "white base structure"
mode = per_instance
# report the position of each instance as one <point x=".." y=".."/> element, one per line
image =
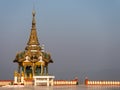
<point x="44" y="80"/>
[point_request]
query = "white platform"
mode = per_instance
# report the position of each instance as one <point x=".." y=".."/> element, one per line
<point x="43" y="80"/>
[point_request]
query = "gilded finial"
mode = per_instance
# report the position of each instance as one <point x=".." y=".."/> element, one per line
<point x="33" y="12"/>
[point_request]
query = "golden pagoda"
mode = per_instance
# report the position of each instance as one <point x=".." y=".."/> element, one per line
<point x="33" y="60"/>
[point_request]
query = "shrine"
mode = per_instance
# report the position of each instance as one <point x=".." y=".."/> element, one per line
<point x="34" y="60"/>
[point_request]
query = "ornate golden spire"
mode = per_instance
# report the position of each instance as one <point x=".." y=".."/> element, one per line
<point x="33" y="40"/>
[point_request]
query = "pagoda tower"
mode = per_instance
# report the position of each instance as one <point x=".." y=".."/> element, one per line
<point x="33" y="60"/>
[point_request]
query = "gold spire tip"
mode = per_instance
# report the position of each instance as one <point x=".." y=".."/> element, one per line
<point x="33" y="12"/>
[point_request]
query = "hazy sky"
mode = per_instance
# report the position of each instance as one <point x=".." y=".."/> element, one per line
<point x="83" y="36"/>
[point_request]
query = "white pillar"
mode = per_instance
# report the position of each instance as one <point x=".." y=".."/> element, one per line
<point x="15" y="79"/>
<point x="48" y="82"/>
<point x="22" y="80"/>
<point x="51" y="81"/>
<point x="35" y="81"/>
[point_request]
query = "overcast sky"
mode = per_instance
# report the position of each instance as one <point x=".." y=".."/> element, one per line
<point x="83" y="36"/>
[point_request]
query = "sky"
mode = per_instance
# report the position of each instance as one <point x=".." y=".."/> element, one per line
<point x="83" y="36"/>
